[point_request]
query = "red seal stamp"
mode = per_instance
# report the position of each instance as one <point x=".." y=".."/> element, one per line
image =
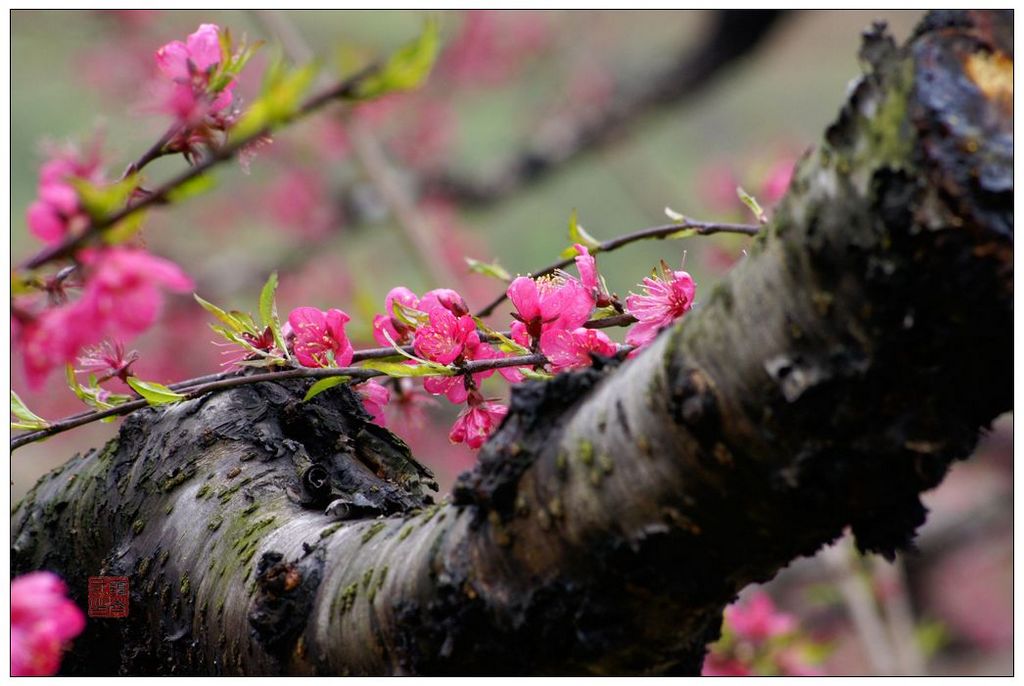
<point x="108" y="596"/>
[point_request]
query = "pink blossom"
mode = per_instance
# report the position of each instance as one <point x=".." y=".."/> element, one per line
<point x="475" y="423"/>
<point x="190" y="93"/>
<point x="320" y="339"/>
<point x="668" y="298"/>
<point x="550" y="302"/>
<point x="197" y="55"/>
<point x="571" y="349"/>
<point x="758" y="619"/>
<point x="122" y="290"/>
<point x="56" y="212"/>
<point x="375" y="398"/>
<point x="587" y="267"/>
<point x="108" y="360"/>
<point x="455" y="387"/>
<point x="43" y="620"/>
<point x="446" y="298"/>
<point x="445" y="337"/>
<point x="398" y="330"/>
<point x="51" y="339"/>
<point x="791" y="663"/>
<point x="719" y="665"/>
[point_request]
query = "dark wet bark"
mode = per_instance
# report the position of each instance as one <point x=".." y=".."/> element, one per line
<point x="837" y="372"/>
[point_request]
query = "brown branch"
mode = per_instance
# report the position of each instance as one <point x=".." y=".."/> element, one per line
<point x="654" y="232"/>
<point x="66" y="248"/>
<point x="360" y="373"/>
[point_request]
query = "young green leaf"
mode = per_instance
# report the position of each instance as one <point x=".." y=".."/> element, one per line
<point x="268" y="311"/>
<point x="752" y="205"/>
<point x="399" y="369"/>
<point x="322" y="385"/>
<point x="23" y="283"/>
<point x="101" y="200"/>
<point x="280" y="100"/>
<point x="29" y="419"/>
<point x="507" y="344"/>
<point x="493" y="270"/>
<point x="124" y="230"/>
<point x="197" y="185"/>
<point x="406" y="69"/>
<point x="577" y="234"/>
<point x="674" y="216"/>
<point x="154" y="393"/>
<point x="236" y="321"/>
<point x="409" y="316"/>
<point x="534" y="375"/>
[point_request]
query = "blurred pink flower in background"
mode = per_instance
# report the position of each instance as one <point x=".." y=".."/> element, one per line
<point x="43" y="620"/>
<point x="189" y="66"/>
<point x="757" y="619"/>
<point x="56" y="213"/>
<point x="299" y="201"/>
<point x="122" y="295"/>
<point x="491" y="47"/>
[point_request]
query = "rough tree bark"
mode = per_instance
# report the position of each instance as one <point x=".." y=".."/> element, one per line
<point x="836" y="373"/>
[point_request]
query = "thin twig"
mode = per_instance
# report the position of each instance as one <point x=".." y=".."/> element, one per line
<point x="900" y="616"/>
<point x="861" y="605"/>
<point x="342" y="90"/>
<point x="360" y="373"/>
<point x="654" y="232"/>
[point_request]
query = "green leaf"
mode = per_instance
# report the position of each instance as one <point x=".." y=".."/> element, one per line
<point x="125" y="229"/>
<point x="752" y="205"/>
<point x="399" y="369"/>
<point x="268" y="311"/>
<point x="154" y="393"/>
<point x="493" y="270"/>
<point x="235" y="321"/>
<point x="682" y="221"/>
<point x="408" y="315"/>
<point x="197" y="185"/>
<point x="535" y="375"/>
<point x="279" y="101"/>
<point x="931" y="636"/>
<point x="406" y="69"/>
<point x="99" y="201"/>
<point x="682" y="233"/>
<point x="323" y="384"/>
<point x="577" y="234"/>
<point x="23" y="283"/>
<point x="29" y="419"/>
<point x="507" y="344"/>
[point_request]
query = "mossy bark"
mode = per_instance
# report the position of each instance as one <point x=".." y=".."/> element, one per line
<point x="837" y="372"/>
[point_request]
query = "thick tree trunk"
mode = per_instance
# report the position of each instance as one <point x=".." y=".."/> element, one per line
<point x="854" y="354"/>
